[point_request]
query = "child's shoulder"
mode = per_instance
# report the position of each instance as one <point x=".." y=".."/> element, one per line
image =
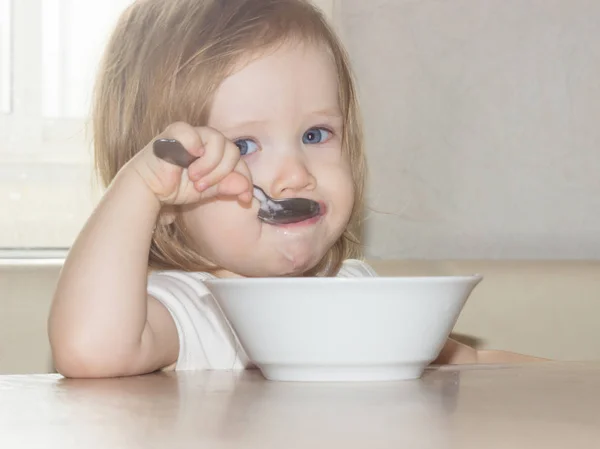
<point x="180" y="274"/>
<point x="177" y="279"/>
<point x="352" y="268"/>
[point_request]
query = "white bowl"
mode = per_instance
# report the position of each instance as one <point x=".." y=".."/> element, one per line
<point x="343" y="329"/>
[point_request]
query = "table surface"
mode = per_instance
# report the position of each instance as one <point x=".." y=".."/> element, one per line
<point x="540" y="405"/>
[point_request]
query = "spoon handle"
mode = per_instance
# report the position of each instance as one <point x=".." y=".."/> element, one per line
<point x="172" y="151"/>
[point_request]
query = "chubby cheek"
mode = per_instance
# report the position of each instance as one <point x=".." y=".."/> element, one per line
<point x="222" y="230"/>
<point x="339" y="189"/>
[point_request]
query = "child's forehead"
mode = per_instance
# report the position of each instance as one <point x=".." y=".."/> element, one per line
<point x="282" y="61"/>
<point x="293" y="64"/>
<point x="302" y="78"/>
<point x="286" y="46"/>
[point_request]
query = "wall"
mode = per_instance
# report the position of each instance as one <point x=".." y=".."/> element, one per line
<point x="482" y="126"/>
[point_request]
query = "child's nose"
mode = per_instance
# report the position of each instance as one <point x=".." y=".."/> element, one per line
<point x="292" y="176"/>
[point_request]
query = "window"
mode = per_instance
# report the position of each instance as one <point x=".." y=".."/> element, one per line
<point x="49" y="51"/>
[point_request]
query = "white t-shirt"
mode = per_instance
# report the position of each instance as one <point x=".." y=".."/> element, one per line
<point x="206" y="340"/>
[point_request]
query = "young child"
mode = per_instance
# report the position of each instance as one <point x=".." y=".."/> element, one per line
<point x="262" y="93"/>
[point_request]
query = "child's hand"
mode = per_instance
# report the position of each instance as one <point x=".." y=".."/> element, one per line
<point x="219" y="169"/>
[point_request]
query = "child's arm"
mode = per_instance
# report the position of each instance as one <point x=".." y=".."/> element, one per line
<point x="102" y="323"/>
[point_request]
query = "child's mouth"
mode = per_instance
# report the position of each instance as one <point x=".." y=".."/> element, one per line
<point x="307" y="222"/>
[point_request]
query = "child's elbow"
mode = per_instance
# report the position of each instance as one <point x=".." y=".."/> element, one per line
<point x="74" y="358"/>
<point x="80" y="353"/>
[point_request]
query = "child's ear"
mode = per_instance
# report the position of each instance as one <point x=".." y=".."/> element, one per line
<point x="167" y="215"/>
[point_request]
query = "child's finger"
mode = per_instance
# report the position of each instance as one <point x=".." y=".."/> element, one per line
<point x="187" y="135"/>
<point x="231" y="156"/>
<point x="235" y="184"/>
<point x="214" y="146"/>
<point x="246" y="197"/>
<point x="242" y="168"/>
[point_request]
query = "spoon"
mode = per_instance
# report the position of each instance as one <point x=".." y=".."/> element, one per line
<point x="273" y="211"/>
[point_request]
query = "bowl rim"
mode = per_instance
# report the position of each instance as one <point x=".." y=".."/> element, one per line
<point x="350" y="280"/>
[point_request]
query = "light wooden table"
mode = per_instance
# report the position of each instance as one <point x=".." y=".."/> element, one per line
<point x="546" y="405"/>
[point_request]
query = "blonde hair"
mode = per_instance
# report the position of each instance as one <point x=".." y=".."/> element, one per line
<point x="163" y="63"/>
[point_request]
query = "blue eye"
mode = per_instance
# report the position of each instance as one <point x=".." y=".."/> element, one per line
<point x="246" y="146"/>
<point x="316" y="135"/>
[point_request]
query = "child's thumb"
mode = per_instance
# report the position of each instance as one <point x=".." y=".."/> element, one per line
<point x="234" y="184"/>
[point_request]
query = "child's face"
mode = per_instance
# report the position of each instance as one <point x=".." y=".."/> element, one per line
<point x="282" y="110"/>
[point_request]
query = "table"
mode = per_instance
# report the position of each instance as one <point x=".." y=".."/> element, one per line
<point x="540" y="405"/>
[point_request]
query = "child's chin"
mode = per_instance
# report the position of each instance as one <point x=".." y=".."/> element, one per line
<point x="280" y="267"/>
<point x="296" y="265"/>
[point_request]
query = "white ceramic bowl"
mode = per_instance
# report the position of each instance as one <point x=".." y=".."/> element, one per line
<point x="343" y="329"/>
